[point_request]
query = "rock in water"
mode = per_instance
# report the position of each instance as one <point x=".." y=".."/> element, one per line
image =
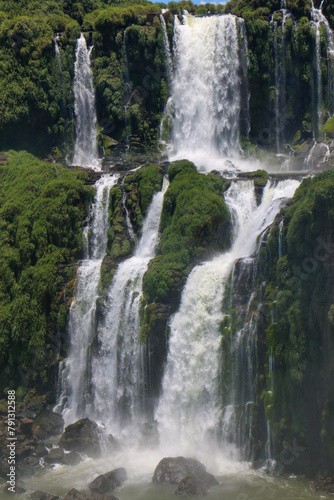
<point x="189" y="486"/>
<point x="174" y="470"/>
<point x="109" y="481"/>
<point x="82" y="436"/>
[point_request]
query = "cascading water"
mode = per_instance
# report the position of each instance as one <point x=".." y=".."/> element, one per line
<point x="118" y="381"/>
<point x="206" y="87"/>
<point x="318" y="18"/>
<point x="168" y="55"/>
<point x="74" y="381"/>
<point x="85" y="149"/>
<point x="190" y="409"/>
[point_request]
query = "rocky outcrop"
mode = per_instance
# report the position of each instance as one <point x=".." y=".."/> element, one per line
<point x="174" y="470"/>
<point x="105" y="483"/>
<point x="82" y="436"/>
<point x="191" y="486"/>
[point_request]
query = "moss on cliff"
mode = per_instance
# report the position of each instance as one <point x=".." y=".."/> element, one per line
<point x="42" y="207"/>
<point x="194" y="220"/>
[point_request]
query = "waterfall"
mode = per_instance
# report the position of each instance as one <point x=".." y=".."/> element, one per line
<point x="85" y="149"/>
<point x="118" y="379"/>
<point x="277" y="93"/>
<point x="206" y="87"/>
<point x="168" y="56"/>
<point x="318" y="18"/>
<point x="74" y="380"/>
<point x="190" y="408"/>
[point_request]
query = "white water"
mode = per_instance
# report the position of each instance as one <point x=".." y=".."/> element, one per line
<point x="206" y="88"/>
<point x="85" y="149"/>
<point x="74" y="380"/>
<point x="117" y="370"/>
<point x="190" y="410"/>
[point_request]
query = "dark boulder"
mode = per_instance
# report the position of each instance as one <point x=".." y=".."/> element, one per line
<point x="191" y="486"/>
<point x="109" y="481"/>
<point x="47" y="424"/>
<point x="82" y="436"/>
<point x="72" y="458"/>
<point x="174" y="470"/>
<point x="55" y="456"/>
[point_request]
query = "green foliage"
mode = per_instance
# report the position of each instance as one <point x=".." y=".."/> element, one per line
<point x="41" y="211"/>
<point x="193" y="213"/>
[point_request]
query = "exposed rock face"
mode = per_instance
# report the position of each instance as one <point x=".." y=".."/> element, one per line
<point x="191" y="486"/>
<point x="47" y="424"/>
<point x="109" y="481"/>
<point x="82" y="436"/>
<point x="174" y="470"/>
<point x="55" y="456"/>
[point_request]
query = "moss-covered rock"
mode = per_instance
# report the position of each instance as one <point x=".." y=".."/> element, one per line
<point x="194" y="221"/>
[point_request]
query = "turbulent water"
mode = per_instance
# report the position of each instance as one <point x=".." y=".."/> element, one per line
<point x="85" y="149"/>
<point x="118" y="378"/>
<point x="206" y="87"/>
<point x="190" y="410"/>
<point x="74" y="380"/>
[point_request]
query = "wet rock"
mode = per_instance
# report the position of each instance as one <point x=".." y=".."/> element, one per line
<point x="43" y="495"/>
<point x="191" y="486"/>
<point x="26" y="426"/>
<point x="72" y="458"/>
<point x="109" y="481"/>
<point x="55" y="456"/>
<point x="75" y="495"/>
<point x="47" y="424"/>
<point x="82" y="436"/>
<point x="174" y="470"/>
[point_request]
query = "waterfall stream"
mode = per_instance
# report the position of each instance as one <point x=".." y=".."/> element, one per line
<point x="190" y="408"/>
<point x="118" y="379"/>
<point x="74" y="380"/>
<point x="85" y="149"/>
<point x="206" y="87"/>
<point x="168" y="55"/>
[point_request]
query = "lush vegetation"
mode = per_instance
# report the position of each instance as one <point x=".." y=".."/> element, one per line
<point x="129" y="69"/>
<point x="194" y="220"/>
<point x="132" y="195"/>
<point x="42" y="207"/>
<point x="299" y="297"/>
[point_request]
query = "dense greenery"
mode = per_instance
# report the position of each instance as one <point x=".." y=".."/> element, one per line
<point x="133" y="194"/>
<point x="129" y="69"/>
<point x="42" y="207"/>
<point x="299" y="295"/>
<point x="193" y="215"/>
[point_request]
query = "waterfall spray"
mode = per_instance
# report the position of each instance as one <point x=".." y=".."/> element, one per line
<point x="206" y="70"/>
<point x="118" y="372"/>
<point x="74" y="380"/>
<point x="190" y="409"/>
<point x="85" y="149"/>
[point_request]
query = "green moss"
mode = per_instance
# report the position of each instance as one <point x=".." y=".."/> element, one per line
<point x="42" y="207"/>
<point x="193" y="212"/>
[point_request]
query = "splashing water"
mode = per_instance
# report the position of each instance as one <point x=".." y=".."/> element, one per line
<point x="85" y="149"/>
